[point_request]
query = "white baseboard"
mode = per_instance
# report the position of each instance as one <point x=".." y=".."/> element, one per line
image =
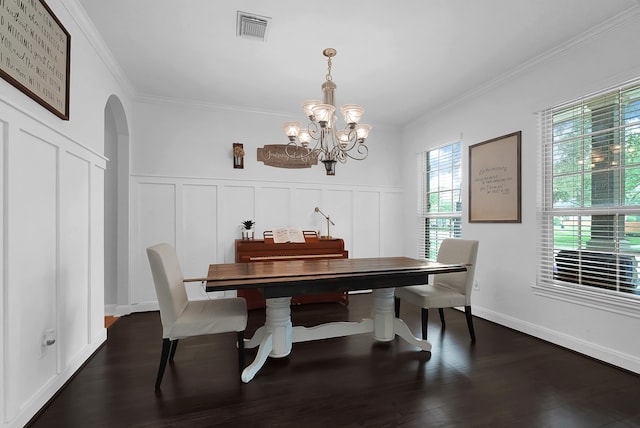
<point x="49" y="390"/>
<point x="121" y="310"/>
<point x="610" y="356"/>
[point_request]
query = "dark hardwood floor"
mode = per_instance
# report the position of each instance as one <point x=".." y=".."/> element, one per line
<point x="507" y="379"/>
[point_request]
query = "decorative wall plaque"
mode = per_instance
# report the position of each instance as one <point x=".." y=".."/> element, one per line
<point x="494" y="180"/>
<point x="35" y="52"/>
<point x="284" y="156"/>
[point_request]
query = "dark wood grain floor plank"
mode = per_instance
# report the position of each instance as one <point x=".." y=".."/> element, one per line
<point x="506" y="379"/>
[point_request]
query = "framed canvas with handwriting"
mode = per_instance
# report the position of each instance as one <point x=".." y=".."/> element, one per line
<point x="35" y="53"/>
<point x="494" y="180"/>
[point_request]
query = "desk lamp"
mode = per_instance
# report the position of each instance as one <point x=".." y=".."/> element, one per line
<point x="329" y="223"/>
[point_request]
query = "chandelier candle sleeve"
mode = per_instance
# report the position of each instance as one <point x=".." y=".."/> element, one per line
<point x="321" y="139"/>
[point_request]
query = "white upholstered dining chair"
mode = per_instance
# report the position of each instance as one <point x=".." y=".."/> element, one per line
<point x="182" y="318"/>
<point x="447" y="290"/>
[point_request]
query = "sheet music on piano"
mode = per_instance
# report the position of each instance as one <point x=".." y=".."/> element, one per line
<point x="288" y="234"/>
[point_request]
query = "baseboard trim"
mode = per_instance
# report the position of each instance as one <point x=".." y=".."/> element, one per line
<point x="592" y="350"/>
<point x="122" y="310"/>
<point x="51" y="390"/>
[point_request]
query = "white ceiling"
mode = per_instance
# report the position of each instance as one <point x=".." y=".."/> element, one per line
<point x="398" y="59"/>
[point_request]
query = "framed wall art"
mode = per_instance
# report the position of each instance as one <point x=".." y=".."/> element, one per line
<point x="495" y="180"/>
<point x="35" y="53"/>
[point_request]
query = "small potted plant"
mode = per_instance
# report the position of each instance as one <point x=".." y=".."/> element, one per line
<point x="247" y="229"/>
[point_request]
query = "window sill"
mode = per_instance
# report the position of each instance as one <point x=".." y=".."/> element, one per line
<point x="580" y="295"/>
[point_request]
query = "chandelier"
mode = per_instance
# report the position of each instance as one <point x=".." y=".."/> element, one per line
<point x="321" y="139"/>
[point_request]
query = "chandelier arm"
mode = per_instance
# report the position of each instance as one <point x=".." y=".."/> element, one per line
<point x="351" y="142"/>
<point x="362" y="150"/>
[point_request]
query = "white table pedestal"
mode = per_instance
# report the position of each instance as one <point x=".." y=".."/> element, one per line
<point x="275" y="338"/>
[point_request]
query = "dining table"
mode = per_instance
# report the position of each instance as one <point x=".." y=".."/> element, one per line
<point x="280" y="280"/>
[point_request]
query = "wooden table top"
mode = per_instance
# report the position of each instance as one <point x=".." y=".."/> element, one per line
<point x="294" y="277"/>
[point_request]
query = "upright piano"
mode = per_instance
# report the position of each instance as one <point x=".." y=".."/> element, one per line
<point x="253" y="250"/>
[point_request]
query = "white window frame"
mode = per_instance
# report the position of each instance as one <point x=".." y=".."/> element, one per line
<point x="546" y="283"/>
<point x="426" y="213"/>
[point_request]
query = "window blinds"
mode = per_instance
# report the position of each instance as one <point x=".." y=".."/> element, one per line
<point x="590" y="204"/>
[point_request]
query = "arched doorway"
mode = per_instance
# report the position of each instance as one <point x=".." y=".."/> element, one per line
<point x="116" y="209"/>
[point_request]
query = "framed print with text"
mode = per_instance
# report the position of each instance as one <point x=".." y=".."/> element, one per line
<point x="495" y="181"/>
<point x="35" y="53"/>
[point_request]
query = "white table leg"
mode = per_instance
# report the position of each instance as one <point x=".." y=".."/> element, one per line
<point x="264" y="350"/>
<point x="277" y="335"/>
<point x="274" y="336"/>
<point x="256" y="339"/>
<point x="403" y="331"/>
<point x="383" y="314"/>
<point x="278" y="323"/>
<point x="386" y="325"/>
<point x="332" y="329"/>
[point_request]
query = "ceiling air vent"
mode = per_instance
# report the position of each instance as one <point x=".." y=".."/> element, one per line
<point x="252" y="26"/>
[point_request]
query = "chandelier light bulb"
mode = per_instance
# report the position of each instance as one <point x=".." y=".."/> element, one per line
<point x="291" y="129"/>
<point x="323" y="112"/>
<point x="304" y="136"/>
<point x="362" y="132"/>
<point x="308" y="108"/>
<point x="343" y="137"/>
<point x="352" y="113"/>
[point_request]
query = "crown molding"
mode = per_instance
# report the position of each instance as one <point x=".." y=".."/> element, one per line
<point x="620" y="19"/>
<point x="84" y="23"/>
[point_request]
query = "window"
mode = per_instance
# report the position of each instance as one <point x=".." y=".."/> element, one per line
<point x="439" y="197"/>
<point x="590" y="229"/>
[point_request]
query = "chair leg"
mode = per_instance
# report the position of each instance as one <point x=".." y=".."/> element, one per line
<point x="425" y="322"/>
<point x="441" y="312"/>
<point x="164" y="356"/>
<point x="174" y="346"/>
<point x="467" y="312"/>
<point x="396" y="304"/>
<point x="240" y="336"/>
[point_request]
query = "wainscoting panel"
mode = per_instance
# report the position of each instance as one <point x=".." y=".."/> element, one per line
<point x="273" y="208"/>
<point x="303" y="215"/>
<point x="157" y="223"/>
<point x="390" y="225"/>
<point x="338" y="206"/>
<point x="198" y="241"/>
<point x="238" y="204"/>
<point x="53" y="276"/>
<point x="73" y="287"/>
<point x="97" y="238"/>
<point x="182" y="211"/>
<point x="199" y="231"/>
<point x="367" y="224"/>
<point x="32" y="234"/>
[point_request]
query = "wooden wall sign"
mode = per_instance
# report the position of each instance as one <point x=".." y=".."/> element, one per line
<point x="35" y="52"/>
<point x="276" y="155"/>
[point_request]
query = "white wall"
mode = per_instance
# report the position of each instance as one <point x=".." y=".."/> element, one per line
<point x="52" y="230"/>
<point x="189" y="140"/>
<point x="506" y="268"/>
<point x="185" y="191"/>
